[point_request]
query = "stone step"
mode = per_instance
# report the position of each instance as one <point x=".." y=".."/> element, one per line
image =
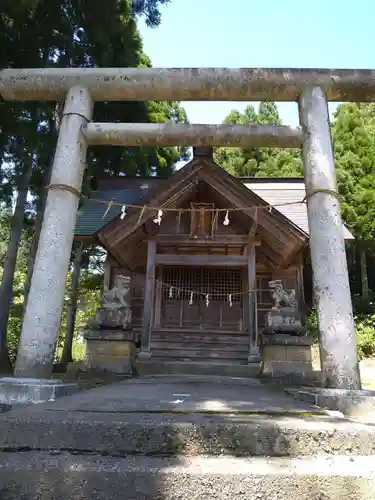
<point x="45" y="476"/>
<point x="196" y="352"/>
<point x="274" y="433"/>
<point x="158" y="366"/>
<point x="202" y="339"/>
<point x="207" y="346"/>
<point x="206" y="331"/>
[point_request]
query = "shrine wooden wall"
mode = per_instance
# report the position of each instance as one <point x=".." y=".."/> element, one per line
<point x="292" y="279"/>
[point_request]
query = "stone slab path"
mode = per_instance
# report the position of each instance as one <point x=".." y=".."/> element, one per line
<point x="183" y="437"/>
<point x="182" y="394"/>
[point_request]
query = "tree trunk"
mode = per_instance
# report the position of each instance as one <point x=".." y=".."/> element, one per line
<point x="364" y="275"/>
<point x="6" y="290"/>
<point x="72" y="309"/>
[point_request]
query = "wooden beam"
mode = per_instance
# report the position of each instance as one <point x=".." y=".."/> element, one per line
<point x="158" y="297"/>
<point x="107" y="272"/>
<point x="85" y="239"/>
<point x="187" y="84"/>
<point x="184" y="134"/>
<point x="254" y="226"/>
<point x="148" y="305"/>
<point x="230" y="239"/>
<point x="288" y="259"/>
<point x="201" y="260"/>
<point x="251" y="275"/>
<point x="266" y="260"/>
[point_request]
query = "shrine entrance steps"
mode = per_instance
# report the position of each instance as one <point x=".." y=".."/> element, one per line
<point x="192" y="352"/>
<point x="193" y="345"/>
<point x="186" y="438"/>
<point x="156" y="366"/>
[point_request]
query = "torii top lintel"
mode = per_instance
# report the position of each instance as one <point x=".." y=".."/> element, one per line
<point x="187" y="84"/>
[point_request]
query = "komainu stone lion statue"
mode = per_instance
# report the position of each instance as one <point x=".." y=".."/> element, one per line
<point x="281" y="297"/>
<point x="115" y="311"/>
<point x="119" y="295"/>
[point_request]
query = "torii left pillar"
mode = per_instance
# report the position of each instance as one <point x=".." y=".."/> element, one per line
<point x="41" y="322"/>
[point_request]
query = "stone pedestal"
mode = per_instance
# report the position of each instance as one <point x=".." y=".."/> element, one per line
<point x="354" y="403"/>
<point x="21" y="391"/>
<point x="144" y="355"/>
<point x="286" y="356"/>
<point x="112" y="319"/>
<point x="285" y="320"/>
<point x="110" y="350"/>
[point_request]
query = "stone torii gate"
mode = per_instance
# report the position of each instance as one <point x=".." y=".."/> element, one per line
<point x="82" y="87"/>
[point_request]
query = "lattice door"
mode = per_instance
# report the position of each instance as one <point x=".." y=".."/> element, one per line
<point x="198" y="298"/>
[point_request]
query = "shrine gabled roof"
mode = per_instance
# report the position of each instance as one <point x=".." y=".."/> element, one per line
<point x="124" y="190"/>
<point x="281" y="238"/>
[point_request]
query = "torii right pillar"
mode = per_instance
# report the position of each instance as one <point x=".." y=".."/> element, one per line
<point x="339" y="361"/>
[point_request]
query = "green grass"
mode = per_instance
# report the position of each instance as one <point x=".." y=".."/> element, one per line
<point x="78" y="351"/>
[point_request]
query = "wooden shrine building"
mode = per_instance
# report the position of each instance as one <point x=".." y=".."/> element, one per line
<point x="200" y="268"/>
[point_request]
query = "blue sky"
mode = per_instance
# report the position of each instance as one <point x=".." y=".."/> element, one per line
<point x="266" y="33"/>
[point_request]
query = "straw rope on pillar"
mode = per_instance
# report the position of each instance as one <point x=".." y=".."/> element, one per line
<point x="82" y="85"/>
<point x="328" y="257"/>
<point x="41" y="322"/>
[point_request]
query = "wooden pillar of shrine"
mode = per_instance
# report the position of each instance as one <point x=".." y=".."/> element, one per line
<point x="254" y="356"/>
<point x="148" y="307"/>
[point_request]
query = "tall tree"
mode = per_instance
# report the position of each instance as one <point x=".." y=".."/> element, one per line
<point x="353" y="132"/>
<point x="259" y="162"/>
<point x="66" y="356"/>
<point x="85" y="34"/>
<point x="6" y="289"/>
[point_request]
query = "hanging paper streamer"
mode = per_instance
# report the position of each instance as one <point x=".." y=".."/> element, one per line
<point x="170" y="295"/>
<point x="191" y="298"/>
<point x="226" y="219"/>
<point x="141" y="214"/>
<point x="207" y="300"/>
<point x="108" y="209"/>
<point x="158" y="218"/>
<point x="123" y="212"/>
<point x="230" y="300"/>
<point x="178" y="222"/>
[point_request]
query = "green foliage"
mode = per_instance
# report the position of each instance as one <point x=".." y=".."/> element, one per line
<point x="85" y="34"/>
<point x="78" y="351"/>
<point x="364" y="327"/>
<point x="353" y="133"/>
<point x="364" y="317"/>
<point x="89" y="288"/>
<point x="259" y="162"/>
<point x="149" y="9"/>
<point x="311" y="325"/>
<point x="14" y="323"/>
<point x="89" y="291"/>
<point x="365" y="335"/>
<point x="99" y="33"/>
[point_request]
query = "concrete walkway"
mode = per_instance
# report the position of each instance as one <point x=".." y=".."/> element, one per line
<point x="181" y="394"/>
<point x="191" y="437"/>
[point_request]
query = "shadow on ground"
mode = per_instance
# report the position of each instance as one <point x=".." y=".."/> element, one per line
<point x="183" y="437"/>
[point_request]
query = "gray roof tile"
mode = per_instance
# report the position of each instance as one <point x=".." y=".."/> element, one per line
<point x="274" y="193"/>
<point x="90" y="217"/>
